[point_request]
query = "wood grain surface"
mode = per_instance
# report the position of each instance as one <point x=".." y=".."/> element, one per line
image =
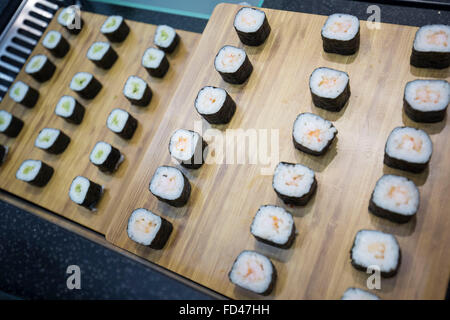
<point x="75" y="160"/>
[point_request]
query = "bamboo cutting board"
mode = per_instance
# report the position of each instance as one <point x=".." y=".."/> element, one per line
<point x="75" y="159"/>
<point x="213" y="228"/>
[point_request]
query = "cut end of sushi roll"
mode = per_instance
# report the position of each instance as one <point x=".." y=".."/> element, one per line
<point x="166" y="38"/>
<point x="233" y="64"/>
<point x="330" y="88"/>
<point x="253" y="271"/>
<point x="294" y="183"/>
<point x="35" y="172"/>
<point x="215" y="105"/>
<point x="170" y="185"/>
<point x="69" y="109"/>
<point x="137" y="91"/>
<point x="85" y="85"/>
<point x="5" y="120"/>
<point x="431" y="48"/>
<point x="375" y="248"/>
<point x="426" y="100"/>
<point x="22" y="93"/>
<point x="85" y="192"/>
<point x="40" y="68"/>
<point x="251" y="26"/>
<point x="408" y="149"/>
<point x="9" y="124"/>
<point x="155" y="61"/>
<point x="71" y="20"/>
<point x="52" y="39"/>
<point x="313" y="134"/>
<point x="273" y="225"/>
<point x="358" y="294"/>
<point x="106" y="157"/>
<point x="52" y="140"/>
<point x="122" y="123"/>
<point x="395" y="198"/>
<point x="115" y="29"/>
<point x="187" y="146"/>
<point x="102" y="54"/>
<point x="36" y="63"/>
<point x="340" y="34"/>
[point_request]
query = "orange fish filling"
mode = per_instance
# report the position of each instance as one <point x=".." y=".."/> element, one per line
<point x="398" y="191"/>
<point x="252" y="274"/>
<point x="416" y="144"/>
<point x="181" y="143"/>
<point x="378" y="249"/>
<point x="315" y="134"/>
<point x="230" y="58"/>
<point x="248" y="20"/>
<point x="439" y="38"/>
<point x="328" y="82"/>
<point x="144" y="227"/>
<point x="295" y="180"/>
<point x="339" y="26"/>
<point x="276" y="222"/>
<point x="425" y="94"/>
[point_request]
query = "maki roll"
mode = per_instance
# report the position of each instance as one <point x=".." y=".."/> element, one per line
<point x="233" y="65"/>
<point x="340" y="34"/>
<point x="426" y="100"/>
<point x="330" y="89"/>
<point x="52" y="140"/>
<point x="187" y="147"/>
<point x="102" y="55"/>
<point x="122" y="123"/>
<point x="273" y="225"/>
<point x="35" y="172"/>
<point x="40" y="68"/>
<point x="155" y="62"/>
<point x="408" y="149"/>
<point x="376" y="248"/>
<point x="294" y="183"/>
<point x="251" y="26"/>
<point x="3" y="153"/>
<point x="166" y="38"/>
<point x="395" y="198"/>
<point x="431" y="48"/>
<point x="115" y="29"/>
<point x="22" y="93"/>
<point x="253" y="271"/>
<point x="70" y="110"/>
<point x="85" y="193"/>
<point x="148" y="229"/>
<point x="85" y="85"/>
<point x="106" y="157"/>
<point x="137" y="91"/>
<point x="358" y="294"/>
<point x="215" y="105"/>
<point x="56" y="44"/>
<point x="170" y="185"/>
<point x="10" y="125"/>
<point x="312" y="134"/>
<point x="70" y="19"/>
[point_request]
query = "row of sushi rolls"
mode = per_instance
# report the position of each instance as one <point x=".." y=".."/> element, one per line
<point x="394" y="197"/>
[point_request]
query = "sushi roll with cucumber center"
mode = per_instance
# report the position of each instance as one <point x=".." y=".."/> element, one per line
<point x="9" y="124"/>
<point x="22" y="93"/>
<point x="106" y="157"/>
<point x="3" y="153"/>
<point x="70" y="19"/>
<point x="35" y="172"/>
<point x="155" y="62"/>
<point x="52" y="140"/>
<point x="340" y="34"/>
<point x="215" y="105"/>
<point x="186" y="146"/>
<point x="115" y="29"/>
<point x="85" y="85"/>
<point x="137" y="91"/>
<point x="102" y="54"/>
<point x="85" y="192"/>
<point x="431" y="48"/>
<point x="40" y="68"/>
<point x="330" y="88"/>
<point x="70" y="110"/>
<point x="251" y="26"/>
<point x="170" y="185"/>
<point x="56" y="44"/>
<point x="122" y="123"/>
<point x="233" y="65"/>
<point x="166" y="38"/>
<point x="358" y="294"/>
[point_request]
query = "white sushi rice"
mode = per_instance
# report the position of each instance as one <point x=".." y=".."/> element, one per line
<point x="409" y="144"/>
<point x="66" y="16"/>
<point x="249" y="20"/>
<point x="427" y="95"/>
<point x="376" y="248"/>
<point x="358" y="294"/>
<point x="183" y="144"/>
<point x="313" y="132"/>
<point x="134" y="88"/>
<point x="100" y="152"/>
<point x="210" y="100"/>
<point x="97" y="50"/>
<point x="167" y="183"/>
<point x="152" y="58"/>
<point x="18" y="91"/>
<point x="143" y="226"/>
<point x="111" y="24"/>
<point x="35" y="64"/>
<point x="252" y="271"/>
<point x="272" y="223"/>
<point x="328" y="83"/>
<point x="80" y="80"/>
<point x="229" y="59"/>
<point x="65" y="106"/>
<point x="164" y="36"/>
<point x="341" y="26"/>
<point x="78" y="189"/>
<point x="433" y="38"/>
<point x="293" y="180"/>
<point x="52" y="39"/>
<point x="5" y="120"/>
<point x="117" y="120"/>
<point x="46" y="138"/>
<point x="28" y="170"/>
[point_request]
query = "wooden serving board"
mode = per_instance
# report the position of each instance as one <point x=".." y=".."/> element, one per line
<point x="75" y="159"/>
<point x="213" y="228"/>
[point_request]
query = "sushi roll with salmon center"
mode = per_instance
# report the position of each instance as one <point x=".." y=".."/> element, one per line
<point x="251" y="26"/>
<point x="330" y="88"/>
<point x="215" y="105"/>
<point x="171" y="186"/>
<point x="233" y="65"/>
<point x="340" y="34"/>
<point x="187" y="146"/>
<point x="431" y="47"/>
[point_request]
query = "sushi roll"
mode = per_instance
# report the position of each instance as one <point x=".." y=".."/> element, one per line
<point x="40" y="68"/>
<point x="166" y="38"/>
<point x="22" y="93"/>
<point x="186" y="146"/>
<point x="70" y="110"/>
<point x="254" y="272"/>
<point x="215" y="105"/>
<point x="273" y="225"/>
<point x="137" y="91"/>
<point x="426" y="100"/>
<point x="3" y="153"/>
<point x="102" y="55"/>
<point x="312" y="134"/>
<point x="52" y="140"/>
<point x="106" y="157"/>
<point x="148" y="229"/>
<point x="122" y="123"/>
<point x="170" y="185"/>
<point x="85" y="193"/>
<point x="10" y="125"/>
<point x="233" y="65"/>
<point x="408" y="149"/>
<point x="395" y="198"/>
<point x="251" y="26"/>
<point x="35" y="172"/>
<point x="340" y="34"/>
<point x="295" y="184"/>
<point x="115" y="29"/>
<point x="431" y="47"/>
<point x="330" y="89"/>
<point x="376" y="248"/>
<point x="85" y="85"/>
<point x="358" y="294"/>
<point x="56" y="44"/>
<point x="155" y="62"/>
<point x="70" y="19"/>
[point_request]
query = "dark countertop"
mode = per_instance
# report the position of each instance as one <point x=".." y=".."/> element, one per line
<point x="34" y="253"/>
